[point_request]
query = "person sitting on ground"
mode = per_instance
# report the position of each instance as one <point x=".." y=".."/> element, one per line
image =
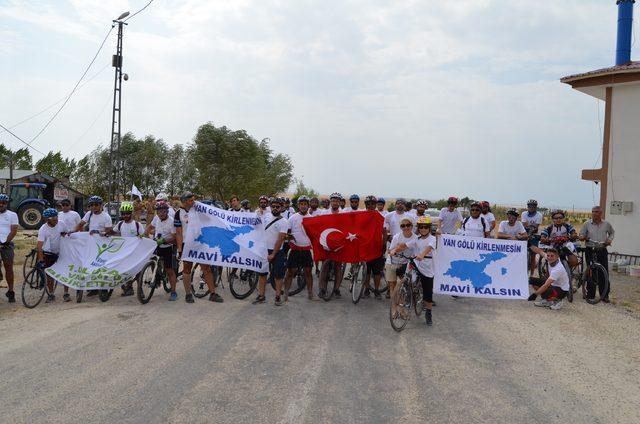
<point x="555" y="288"/>
<point x="512" y="229"/>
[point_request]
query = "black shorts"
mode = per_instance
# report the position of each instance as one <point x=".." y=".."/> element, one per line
<point x="278" y="266"/>
<point x="299" y="258"/>
<point x="50" y="259"/>
<point x="427" y="287"/>
<point x="6" y="251"/>
<point x="376" y="266"/>
<point x="168" y="256"/>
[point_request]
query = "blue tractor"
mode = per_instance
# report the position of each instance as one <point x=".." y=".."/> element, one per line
<point x="28" y="200"/>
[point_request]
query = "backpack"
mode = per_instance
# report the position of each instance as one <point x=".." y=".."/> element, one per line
<point x="86" y="227"/>
<point x="484" y="226"/>
<point x="119" y="226"/>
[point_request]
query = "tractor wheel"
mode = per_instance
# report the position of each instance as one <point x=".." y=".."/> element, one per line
<point x="30" y="216"/>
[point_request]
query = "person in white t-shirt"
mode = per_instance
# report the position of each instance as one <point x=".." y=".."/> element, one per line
<point x="97" y="219"/>
<point x="263" y="211"/>
<point x="276" y="231"/>
<point x="314" y="206"/>
<point x="423" y="247"/>
<point x="8" y="230"/>
<point x="334" y="207"/>
<point x="245" y="205"/>
<point x="128" y="227"/>
<point x="299" y="249"/>
<point x="354" y="204"/>
<point x="380" y="203"/>
<point x="556" y="287"/>
<point x="48" y="248"/>
<point x="164" y="233"/>
<point x="450" y="217"/>
<point x="396" y="266"/>
<point x="69" y="217"/>
<point x="488" y="215"/>
<point x="474" y="225"/>
<point x="512" y="229"/>
<point x="393" y="219"/>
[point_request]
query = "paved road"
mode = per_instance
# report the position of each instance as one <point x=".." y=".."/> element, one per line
<point x="313" y="362"/>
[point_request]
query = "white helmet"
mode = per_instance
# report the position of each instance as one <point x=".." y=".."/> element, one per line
<point x="162" y="196"/>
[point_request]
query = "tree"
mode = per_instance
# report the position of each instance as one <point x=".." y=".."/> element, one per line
<point x="143" y="164"/>
<point x="303" y="189"/>
<point x="180" y="171"/>
<point x="55" y="165"/>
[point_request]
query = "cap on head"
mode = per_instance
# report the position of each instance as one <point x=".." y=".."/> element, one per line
<point x="186" y="196"/>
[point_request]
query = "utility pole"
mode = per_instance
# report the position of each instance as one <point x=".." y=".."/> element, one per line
<point x="115" y="163"/>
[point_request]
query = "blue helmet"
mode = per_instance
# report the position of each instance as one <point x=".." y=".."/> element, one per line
<point x="4" y="198"/>
<point x="50" y="213"/>
<point x="354" y="197"/>
<point x="95" y="199"/>
<point x="381" y="200"/>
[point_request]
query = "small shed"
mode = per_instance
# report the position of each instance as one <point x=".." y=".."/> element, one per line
<point x="57" y="189"/>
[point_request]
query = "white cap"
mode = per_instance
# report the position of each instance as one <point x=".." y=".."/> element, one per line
<point x="162" y="196"/>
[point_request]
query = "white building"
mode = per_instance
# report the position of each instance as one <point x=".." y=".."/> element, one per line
<point x="619" y="176"/>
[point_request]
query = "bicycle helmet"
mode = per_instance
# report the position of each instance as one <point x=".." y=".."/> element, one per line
<point x="370" y="199"/>
<point x="513" y="212"/>
<point x="424" y="220"/>
<point x="485" y="204"/>
<point x="335" y="196"/>
<point x="286" y="199"/>
<point x="452" y="199"/>
<point x="401" y="200"/>
<point x="354" y="197"/>
<point x="314" y="199"/>
<point x="381" y="200"/>
<point x="162" y="205"/>
<point x="162" y="196"/>
<point x="50" y="213"/>
<point x="186" y="195"/>
<point x="278" y="200"/>
<point x="422" y="203"/>
<point x="95" y="199"/>
<point x="532" y="202"/>
<point x="126" y="207"/>
<point x="244" y="203"/>
<point x="556" y="212"/>
<point x="263" y="197"/>
<point x="303" y="198"/>
<point x="4" y="198"/>
<point x="477" y="204"/>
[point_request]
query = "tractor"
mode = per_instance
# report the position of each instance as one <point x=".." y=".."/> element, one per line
<point x="28" y="201"/>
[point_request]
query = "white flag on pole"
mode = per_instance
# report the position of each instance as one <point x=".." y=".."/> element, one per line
<point x="135" y="191"/>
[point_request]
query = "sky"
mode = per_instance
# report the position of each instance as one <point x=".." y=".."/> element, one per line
<point x="422" y="99"/>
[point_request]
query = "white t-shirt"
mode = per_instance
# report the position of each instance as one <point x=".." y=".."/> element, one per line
<point x="289" y="212"/>
<point x="265" y="216"/>
<point x="395" y="241"/>
<point x="273" y="232"/>
<point x="129" y="229"/>
<point x="514" y="230"/>
<point x="300" y="237"/>
<point x="489" y="218"/>
<point x="181" y="219"/>
<point x="7" y="220"/>
<point x="50" y="236"/>
<point x="71" y="219"/>
<point x="348" y="210"/>
<point x="311" y="212"/>
<point x="559" y="275"/>
<point x="473" y="227"/>
<point x="330" y="211"/>
<point x="527" y="220"/>
<point x="383" y="213"/>
<point x="449" y="220"/>
<point x="418" y="246"/>
<point x="392" y="221"/>
<point x="163" y="228"/>
<point x="98" y="221"/>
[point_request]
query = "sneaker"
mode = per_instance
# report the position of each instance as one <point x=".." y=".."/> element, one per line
<point x="11" y="295"/>
<point x="433" y="303"/>
<point x="591" y="301"/>
<point x="556" y="304"/>
<point x="543" y="303"/>
<point x="278" y="302"/>
<point x="189" y="298"/>
<point x="366" y="293"/>
<point x="215" y="297"/>
<point x="348" y="276"/>
<point x="259" y="299"/>
<point x="336" y="294"/>
<point x="173" y="297"/>
<point x="322" y="293"/>
<point x="387" y="295"/>
<point x="127" y="292"/>
<point x="377" y="296"/>
<point x="50" y="298"/>
<point x="428" y="319"/>
<point x="606" y="300"/>
<point x="66" y="297"/>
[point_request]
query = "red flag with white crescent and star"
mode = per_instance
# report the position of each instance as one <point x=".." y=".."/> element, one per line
<point x="345" y="237"/>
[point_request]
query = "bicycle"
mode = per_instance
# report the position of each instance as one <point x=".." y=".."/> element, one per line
<point x="409" y="295"/>
<point x="149" y="278"/>
<point x="241" y="286"/>
<point x="327" y="280"/>
<point x="299" y="282"/>
<point x="34" y="287"/>
<point x="592" y="275"/>
<point x="358" y="278"/>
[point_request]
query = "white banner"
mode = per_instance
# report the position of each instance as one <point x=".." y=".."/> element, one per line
<point x="88" y="262"/>
<point x="225" y="238"/>
<point x="480" y="267"/>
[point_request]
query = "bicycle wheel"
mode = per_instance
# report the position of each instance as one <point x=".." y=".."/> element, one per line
<point x="326" y="283"/>
<point x="198" y="283"/>
<point x="29" y="261"/>
<point x="403" y="308"/>
<point x="146" y="280"/>
<point x="243" y="285"/>
<point x="543" y="268"/>
<point x="599" y="281"/>
<point x="33" y="289"/>
<point x="105" y="295"/>
<point x="417" y="299"/>
<point x="299" y="282"/>
<point x="358" y="277"/>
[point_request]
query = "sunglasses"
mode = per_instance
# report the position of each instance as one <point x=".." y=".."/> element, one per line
<point x="557" y="217"/>
<point x="424" y="227"/>
<point x="125" y="213"/>
<point x="475" y="210"/>
<point x="406" y="226"/>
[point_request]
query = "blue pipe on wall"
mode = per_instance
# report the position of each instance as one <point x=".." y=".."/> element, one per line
<point x="625" y="27"/>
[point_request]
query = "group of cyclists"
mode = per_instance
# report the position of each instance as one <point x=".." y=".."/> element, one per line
<point x="409" y="233"/>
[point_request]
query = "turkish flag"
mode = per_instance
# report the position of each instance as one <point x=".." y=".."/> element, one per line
<point x="346" y="237"/>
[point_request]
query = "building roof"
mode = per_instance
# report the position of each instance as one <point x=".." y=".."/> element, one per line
<point x="17" y="173"/>
<point x="631" y="67"/>
<point x="594" y="83"/>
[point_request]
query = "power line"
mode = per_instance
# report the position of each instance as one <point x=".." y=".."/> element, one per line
<point x="90" y="126"/>
<point x="9" y="131"/>
<point x="147" y="5"/>
<point x="75" y="87"/>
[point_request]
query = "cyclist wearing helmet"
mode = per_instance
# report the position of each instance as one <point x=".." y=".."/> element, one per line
<point x="287" y="210"/>
<point x="181" y="222"/>
<point x="488" y="215"/>
<point x="343" y="202"/>
<point x="164" y="233"/>
<point x="512" y="229"/>
<point x="559" y="235"/>
<point x="246" y="205"/>
<point x="334" y="204"/>
<point x="423" y="247"/>
<point x="380" y="206"/>
<point x="374" y="267"/>
<point x="276" y="230"/>
<point x="314" y="204"/>
<point x="475" y="225"/>
<point x="354" y="203"/>
<point x="324" y="203"/>
<point x="300" y="249"/>
<point x="128" y="227"/>
<point x="161" y="197"/>
<point x="450" y="217"/>
<point x="48" y="247"/>
<point x="531" y="218"/>
<point x="69" y="217"/>
<point x="97" y="220"/>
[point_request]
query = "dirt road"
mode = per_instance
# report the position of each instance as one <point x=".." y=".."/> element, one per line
<point x="317" y="362"/>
